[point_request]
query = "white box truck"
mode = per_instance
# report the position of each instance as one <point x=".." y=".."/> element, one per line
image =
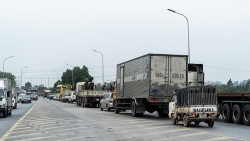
<point x="5" y="97"/>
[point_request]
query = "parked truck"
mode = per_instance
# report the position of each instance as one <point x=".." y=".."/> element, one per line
<point x="146" y="83"/>
<point x="194" y="104"/>
<point x="5" y="97"/>
<point x="234" y="107"/>
<point x="87" y="95"/>
<point x="14" y="94"/>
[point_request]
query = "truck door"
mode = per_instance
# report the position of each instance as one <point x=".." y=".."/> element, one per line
<point x="172" y="105"/>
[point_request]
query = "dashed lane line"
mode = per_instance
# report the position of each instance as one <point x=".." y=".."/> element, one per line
<point x="217" y="139"/>
<point x="15" y="125"/>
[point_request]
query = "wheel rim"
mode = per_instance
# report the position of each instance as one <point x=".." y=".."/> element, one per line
<point x="246" y="115"/>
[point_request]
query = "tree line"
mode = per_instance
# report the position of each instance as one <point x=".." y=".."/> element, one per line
<point x="230" y="88"/>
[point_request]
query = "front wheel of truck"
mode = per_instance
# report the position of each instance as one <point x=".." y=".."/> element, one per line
<point x="185" y="121"/>
<point x="210" y="123"/>
<point x="173" y="120"/>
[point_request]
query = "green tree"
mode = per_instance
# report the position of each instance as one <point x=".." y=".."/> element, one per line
<point x="28" y="85"/>
<point x="80" y="74"/>
<point x="227" y="89"/>
<point x="230" y="83"/>
<point x="9" y="76"/>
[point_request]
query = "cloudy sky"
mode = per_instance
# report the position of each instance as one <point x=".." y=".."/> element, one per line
<point x="46" y="34"/>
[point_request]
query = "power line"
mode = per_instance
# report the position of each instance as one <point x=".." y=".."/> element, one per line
<point x="226" y="69"/>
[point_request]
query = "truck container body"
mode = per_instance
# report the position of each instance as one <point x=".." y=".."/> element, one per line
<point x="147" y="82"/>
<point x="14" y="94"/>
<point x="234" y="107"/>
<point x="195" y="75"/>
<point x="40" y="92"/>
<point x="86" y="95"/>
<point x="46" y="93"/>
<point x="5" y="97"/>
<point x="194" y="104"/>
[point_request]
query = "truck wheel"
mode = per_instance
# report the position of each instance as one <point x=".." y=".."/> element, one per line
<point x="185" y="121"/>
<point x="5" y="113"/>
<point x="236" y="114"/>
<point x="107" y="107"/>
<point x="226" y="113"/>
<point x="85" y="104"/>
<point x="210" y="123"/>
<point x="133" y="109"/>
<point x="246" y="114"/>
<point x="161" y="114"/>
<point x="173" y="120"/>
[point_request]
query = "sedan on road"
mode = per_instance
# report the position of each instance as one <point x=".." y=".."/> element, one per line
<point x="107" y="102"/>
<point x="26" y="99"/>
<point x="20" y="96"/>
<point x="34" y="96"/>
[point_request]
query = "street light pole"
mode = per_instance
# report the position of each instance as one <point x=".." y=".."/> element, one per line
<point x="188" y="32"/>
<point x="72" y="76"/>
<point x="21" y="77"/>
<point x="3" y="63"/>
<point x="102" y="65"/>
<point x="48" y="79"/>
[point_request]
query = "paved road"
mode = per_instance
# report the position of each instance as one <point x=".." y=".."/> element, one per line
<point x="8" y="122"/>
<point x="54" y="120"/>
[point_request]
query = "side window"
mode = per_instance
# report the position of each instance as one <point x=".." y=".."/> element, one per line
<point x="173" y="99"/>
<point x="108" y="96"/>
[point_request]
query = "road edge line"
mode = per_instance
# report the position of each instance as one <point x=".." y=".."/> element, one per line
<point x="15" y="125"/>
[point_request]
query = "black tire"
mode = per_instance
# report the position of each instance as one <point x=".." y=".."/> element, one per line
<point x="173" y="120"/>
<point x="210" y="123"/>
<point x="246" y="114"/>
<point x="10" y="114"/>
<point x="185" y="122"/>
<point x="107" y="107"/>
<point x="117" y="111"/>
<point x="5" y="113"/>
<point x="226" y="113"/>
<point x="133" y="109"/>
<point x="236" y="114"/>
<point x="100" y="107"/>
<point x="218" y="115"/>
<point x="161" y="114"/>
<point x="85" y="103"/>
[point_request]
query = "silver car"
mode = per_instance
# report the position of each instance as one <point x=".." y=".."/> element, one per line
<point x="107" y="102"/>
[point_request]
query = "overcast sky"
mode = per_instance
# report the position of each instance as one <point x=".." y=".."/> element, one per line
<point x="46" y="34"/>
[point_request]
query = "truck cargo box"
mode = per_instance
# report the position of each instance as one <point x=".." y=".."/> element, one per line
<point x="152" y="75"/>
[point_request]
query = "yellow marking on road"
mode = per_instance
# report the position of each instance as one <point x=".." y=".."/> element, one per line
<point x="217" y="139"/>
<point x="15" y="125"/>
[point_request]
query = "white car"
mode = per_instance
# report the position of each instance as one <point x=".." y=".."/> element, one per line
<point x="20" y="97"/>
<point x="72" y="97"/>
<point x="13" y="103"/>
<point x="107" y="102"/>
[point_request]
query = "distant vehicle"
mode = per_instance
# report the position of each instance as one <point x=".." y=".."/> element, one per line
<point x="107" y="102"/>
<point x="33" y="96"/>
<point x="65" y="96"/>
<point x="20" y="96"/>
<point x="54" y="96"/>
<point x="72" y="97"/>
<point x="60" y="89"/>
<point x="14" y="94"/>
<point x="13" y="103"/>
<point x="5" y="97"/>
<point x="26" y="99"/>
<point x="51" y="97"/>
<point x="46" y="93"/>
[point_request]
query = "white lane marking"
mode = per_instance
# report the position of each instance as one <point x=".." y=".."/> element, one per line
<point x="217" y="139"/>
<point x="15" y="125"/>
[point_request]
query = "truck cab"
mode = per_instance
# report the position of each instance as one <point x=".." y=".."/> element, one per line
<point x="194" y="104"/>
<point x="5" y="97"/>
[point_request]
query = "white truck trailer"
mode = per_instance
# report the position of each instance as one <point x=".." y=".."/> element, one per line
<point x="146" y="83"/>
<point x="5" y="97"/>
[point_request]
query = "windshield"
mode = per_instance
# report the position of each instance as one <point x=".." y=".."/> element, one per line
<point x="1" y="93"/>
<point x="33" y="94"/>
<point x="26" y="96"/>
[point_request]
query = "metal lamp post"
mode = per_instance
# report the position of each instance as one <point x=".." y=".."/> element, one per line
<point x="48" y="79"/>
<point x="57" y="76"/>
<point x="102" y="65"/>
<point x="21" y="77"/>
<point x="188" y="32"/>
<point x="72" y="75"/>
<point x="3" y="63"/>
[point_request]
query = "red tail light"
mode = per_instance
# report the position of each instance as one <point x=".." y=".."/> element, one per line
<point x="193" y="114"/>
<point x="153" y="99"/>
<point x="212" y="114"/>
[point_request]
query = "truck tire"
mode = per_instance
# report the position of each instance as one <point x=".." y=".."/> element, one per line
<point x="161" y="114"/>
<point x="196" y="122"/>
<point x="246" y="114"/>
<point x="85" y="103"/>
<point x="236" y="114"/>
<point x="173" y="120"/>
<point x="117" y="111"/>
<point x="185" y="121"/>
<point x="107" y="107"/>
<point x="100" y="107"/>
<point x="210" y="123"/>
<point x="133" y="110"/>
<point x="226" y="113"/>
<point x="5" y="113"/>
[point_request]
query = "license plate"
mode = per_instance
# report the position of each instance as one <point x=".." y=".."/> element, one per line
<point x="203" y="115"/>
